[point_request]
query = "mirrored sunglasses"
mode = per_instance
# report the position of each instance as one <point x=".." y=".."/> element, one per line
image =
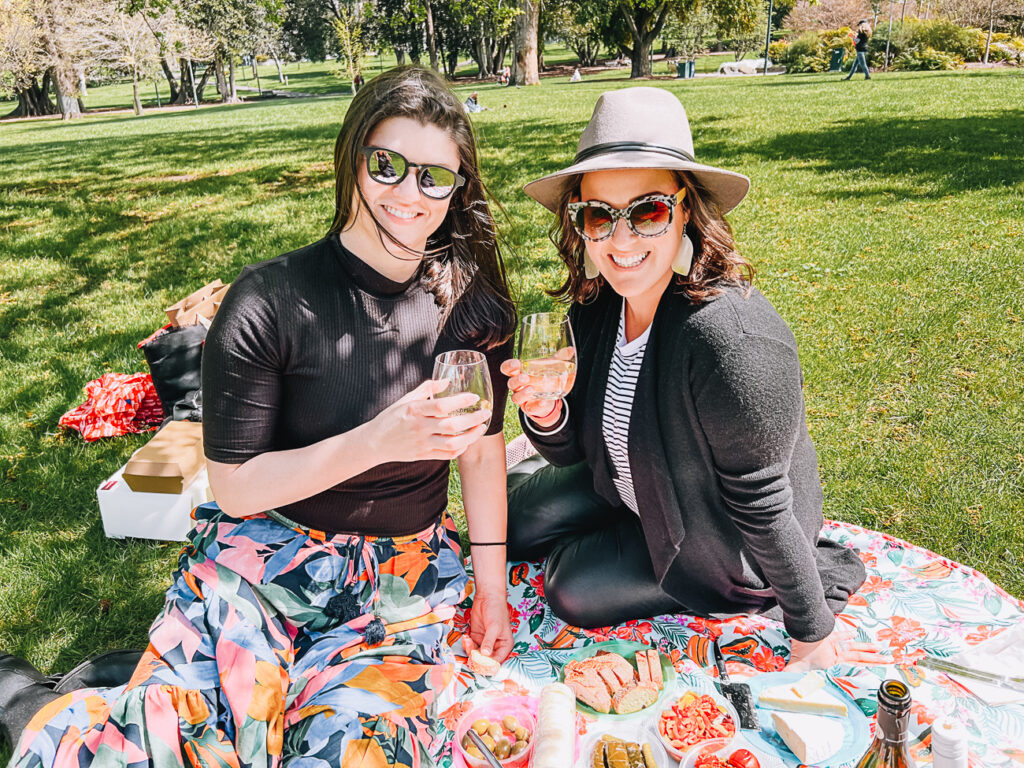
<point x="385" y="166"/>
<point x="649" y="216"/>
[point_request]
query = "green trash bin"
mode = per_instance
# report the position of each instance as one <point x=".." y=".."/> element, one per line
<point x="685" y="69"/>
<point x="836" y="64"/>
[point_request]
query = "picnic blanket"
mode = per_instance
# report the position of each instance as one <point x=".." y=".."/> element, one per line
<point x="913" y="602"/>
<point x="116" y="404"/>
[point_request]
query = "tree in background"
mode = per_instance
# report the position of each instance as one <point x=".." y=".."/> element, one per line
<point x="22" y="65"/>
<point x="743" y="22"/>
<point x="828" y="14"/>
<point x="122" y="42"/>
<point x="397" y="25"/>
<point x="527" y="62"/>
<point x="349" y="31"/>
<point x="579" y="25"/>
<point x="488" y="25"/>
<point x="234" y="26"/>
<point x="645" y="19"/>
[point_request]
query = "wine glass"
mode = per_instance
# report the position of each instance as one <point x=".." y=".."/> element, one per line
<point x="547" y="351"/>
<point x="465" y="371"/>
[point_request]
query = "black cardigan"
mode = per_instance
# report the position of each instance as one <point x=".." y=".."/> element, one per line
<point x="725" y="473"/>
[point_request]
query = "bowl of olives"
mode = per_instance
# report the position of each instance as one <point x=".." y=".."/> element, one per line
<point x="505" y="726"/>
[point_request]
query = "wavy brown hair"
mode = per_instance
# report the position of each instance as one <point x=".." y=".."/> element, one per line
<point x="716" y="262"/>
<point x="462" y="264"/>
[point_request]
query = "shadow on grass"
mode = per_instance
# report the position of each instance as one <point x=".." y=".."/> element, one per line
<point x="946" y="155"/>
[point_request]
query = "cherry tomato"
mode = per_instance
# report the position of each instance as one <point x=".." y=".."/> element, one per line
<point x="742" y="758"/>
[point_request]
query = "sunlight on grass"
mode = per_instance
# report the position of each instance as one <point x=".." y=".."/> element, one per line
<point x="884" y="221"/>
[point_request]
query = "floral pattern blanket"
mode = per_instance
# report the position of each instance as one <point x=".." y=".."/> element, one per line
<point x="913" y="602"/>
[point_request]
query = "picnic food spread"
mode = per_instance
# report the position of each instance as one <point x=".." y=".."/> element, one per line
<point x="503" y="738"/>
<point x="805" y="695"/>
<point x="612" y="752"/>
<point x="810" y="737"/>
<point x="607" y="681"/>
<point x="741" y="758"/>
<point x="555" y="744"/>
<point x="694" y="718"/>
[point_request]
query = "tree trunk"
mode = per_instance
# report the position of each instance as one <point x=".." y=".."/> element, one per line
<point x="81" y="83"/>
<point x="170" y="81"/>
<point x="400" y="56"/>
<point x="230" y="80"/>
<point x="184" y="95"/>
<point x="499" y="55"/>
<point x="224" y="86"/>
<point x="34" y="101"/>
<point x="136" y="103"/>
<point x="431" y="37"/>
<point x="277" y="62"/>
<point x="201" y="85"/>
<point x="527" y="66"/>
<point x="991" y="21"/>
<point x="641" y="57"/>
<point x="64" y="89"/>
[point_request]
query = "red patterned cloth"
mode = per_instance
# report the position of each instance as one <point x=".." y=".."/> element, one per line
<point x="116" y="404"/>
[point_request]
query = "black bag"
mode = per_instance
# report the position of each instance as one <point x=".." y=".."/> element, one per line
<point x="175" y="358"/>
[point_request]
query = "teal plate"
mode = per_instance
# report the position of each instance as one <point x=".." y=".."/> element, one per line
<point x="626" y="649"/>
<point x="856" y="729"/>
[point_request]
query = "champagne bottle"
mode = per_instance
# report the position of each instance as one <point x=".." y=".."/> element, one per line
<point x="890" y="749"/>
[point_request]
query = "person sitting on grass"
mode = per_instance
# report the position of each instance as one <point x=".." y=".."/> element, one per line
<point x="309" y="616"/>
<point x="472" y="103"/>
<point x="678" y="474"/>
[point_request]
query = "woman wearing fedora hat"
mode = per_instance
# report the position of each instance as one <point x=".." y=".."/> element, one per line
<point x="681" y="475"/>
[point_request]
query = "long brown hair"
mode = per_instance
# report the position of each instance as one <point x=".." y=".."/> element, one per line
<point x="716" y="262"/>
<point x="462" y="264"/>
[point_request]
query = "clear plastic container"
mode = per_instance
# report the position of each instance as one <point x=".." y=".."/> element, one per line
<point x="732" y="718"/>
<point x="718" y="747"/>
<point x="495" y="711"/>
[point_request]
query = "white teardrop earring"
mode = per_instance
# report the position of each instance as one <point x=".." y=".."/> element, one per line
<point x="590" y="269"/>
<point x="684" y="257"/>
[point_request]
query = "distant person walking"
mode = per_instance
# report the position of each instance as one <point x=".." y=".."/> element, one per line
<point x="861" y="46"/>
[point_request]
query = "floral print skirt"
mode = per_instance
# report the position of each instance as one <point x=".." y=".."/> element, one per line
<point x="277" y="644"/>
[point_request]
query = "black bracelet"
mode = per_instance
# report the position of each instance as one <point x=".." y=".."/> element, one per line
<point x="488" y="543"/>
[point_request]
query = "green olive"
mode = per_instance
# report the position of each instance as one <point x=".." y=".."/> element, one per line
<point x="519" y="746"/>
<point x="467" y="742"/>
<point x="480" y="726"/>
<point x="486" y="738"/>
<point x="522" y="734"/>
<point x="494" y="731"/>
<point x="502" y="749"/>
<point x="472" y="751"/>
<point x="510" y="723"/>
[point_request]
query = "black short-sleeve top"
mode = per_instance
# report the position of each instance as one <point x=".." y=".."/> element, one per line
<point x="312" y="344"/>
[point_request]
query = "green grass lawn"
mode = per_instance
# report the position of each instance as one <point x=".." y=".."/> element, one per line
<point x="885" y="222"/>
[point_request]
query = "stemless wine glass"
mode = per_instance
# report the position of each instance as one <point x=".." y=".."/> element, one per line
<point x="547" y="351"/>
<point x="465" y="371"/>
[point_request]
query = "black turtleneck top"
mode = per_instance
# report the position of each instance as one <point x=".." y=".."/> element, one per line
<point x="312" y="344"/>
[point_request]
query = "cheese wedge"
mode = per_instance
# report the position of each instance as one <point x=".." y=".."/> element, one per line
<point x="802" y="697"/>
<point x="808" y="684"/>
<point x="811" y="738"/>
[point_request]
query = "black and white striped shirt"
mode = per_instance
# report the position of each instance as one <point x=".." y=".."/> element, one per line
<point x="623" y="372"/>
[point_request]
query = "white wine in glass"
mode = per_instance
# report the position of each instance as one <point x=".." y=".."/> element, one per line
<point x="465" y="371"/>
<point x="547" y="351"/>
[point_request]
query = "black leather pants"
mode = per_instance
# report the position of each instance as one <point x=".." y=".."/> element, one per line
<point x="598" y="572"/>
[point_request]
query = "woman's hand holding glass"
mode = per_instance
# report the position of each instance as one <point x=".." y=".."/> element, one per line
<point x="422" y="427"/>
<point x="545" y="370"/>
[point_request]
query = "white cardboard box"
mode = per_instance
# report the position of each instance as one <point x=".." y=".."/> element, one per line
<point x="163" y="516"/>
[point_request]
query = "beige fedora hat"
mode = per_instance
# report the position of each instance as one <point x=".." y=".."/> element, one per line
<point x="640" y="127"/>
